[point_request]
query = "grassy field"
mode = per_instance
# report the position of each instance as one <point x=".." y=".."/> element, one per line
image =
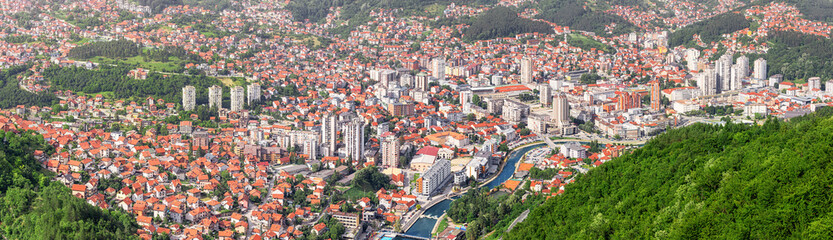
<point x="232" y="81"/>
<point x="435" y="9"/>
<point x="442" y="225"/>
<point x="354" y="194"/>
<point x="173" y="65"/>
<point x="82" y="41"/>
<point x="227" y="81"/>
<point x="586" y="43"/>
<point x="315" y="41"/>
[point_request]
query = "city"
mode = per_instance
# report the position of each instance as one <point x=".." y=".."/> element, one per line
<point x="309" y="119"/>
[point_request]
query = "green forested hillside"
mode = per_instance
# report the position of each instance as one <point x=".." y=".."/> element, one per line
<point x="115" y="80"/>
<point x="818" y="10"/>
<point x="216" y="5"/>
<point x="34" y="207"/>
<point x="13" y="95"/>
<point x="503" y="22"/>
<point x="704" y="182"/>
<point x="111" y="49"/>
<point x="710" y="30"/>
<point x="572" y="13"/>
<point x="799" y="56"/>
<point x="315" y="10"/>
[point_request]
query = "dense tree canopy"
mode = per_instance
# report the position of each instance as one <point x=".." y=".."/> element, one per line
<point x="23" y="38"/>
<point x="370" y="180"/>
<point x="112" y="49"/>
<point x="486" y="212"/>
<point x="158" y="5"/>
<point x="503" y="22"/>
<point x="710" y="30"/>
<point x="315" y="10"/>
<point x="799" y="56"/>
<point x="115" y="79"/>
<point x="572" y="13"/>
<point x="13" y="95"/>
<point x="818" y="10"/>
<point x="34" y="207"/>
<point x="703" y="182"/>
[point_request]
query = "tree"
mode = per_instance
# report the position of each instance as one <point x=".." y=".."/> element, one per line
<point x="589" y="78"/>
<point x="369" y="179"/>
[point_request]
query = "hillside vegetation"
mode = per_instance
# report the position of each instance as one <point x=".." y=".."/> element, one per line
<point x="572" y="13"/>
<point x="115" y="79"/>
<point x="799" y="56"/>
<point x="13" y="95"/>
<point x="215" y="5"/>
<point x="710" y="30"/>
<point x="111" y="49"/>
<point x="503" y="22"/>
<point x="704" y="182"/>
<point x="819" y="10"/>
<point x="34" y="207"/>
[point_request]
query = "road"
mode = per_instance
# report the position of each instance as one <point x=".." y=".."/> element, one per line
<point x="520" y="218"/>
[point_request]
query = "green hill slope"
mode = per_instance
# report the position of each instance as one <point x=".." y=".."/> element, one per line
<point x="798" y="56"/>
<point x="503" y="22"/>
<point x="710" y="30"/>
<point x="573" y="13"/>
<point x="704" y="182"/>
<point x="33" y="207"/>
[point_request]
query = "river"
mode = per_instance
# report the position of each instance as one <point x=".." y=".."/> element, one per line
<point x="424" y="225"/>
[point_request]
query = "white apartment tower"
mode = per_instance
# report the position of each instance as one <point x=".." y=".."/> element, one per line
<point x="724" y="72"/>
<point x="526" y="70"/>
<point x="215" y="96"/>
<point x="561" y="110"/>
<point x="309" y="146"/>
<point x="253" y="93"/>
<point x="438" y="68"/>
<point x="329" y="131"/>
<point x="707" y="81"/>
<point x="743" y="66"/>
<point x="828" y="86"/>
<point x="390" y="151"/>
<point x="545" y="94"/>
<point x="759" y="72"/>
<point x="354" y="138"/>
<point x="737" y="78"/>
<point x="189" y="94"/>
<point x="813" y="83"/>
<point x="237" y="98"/>
<point x="435" y="176"/>
<point x="421" y="82"/>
